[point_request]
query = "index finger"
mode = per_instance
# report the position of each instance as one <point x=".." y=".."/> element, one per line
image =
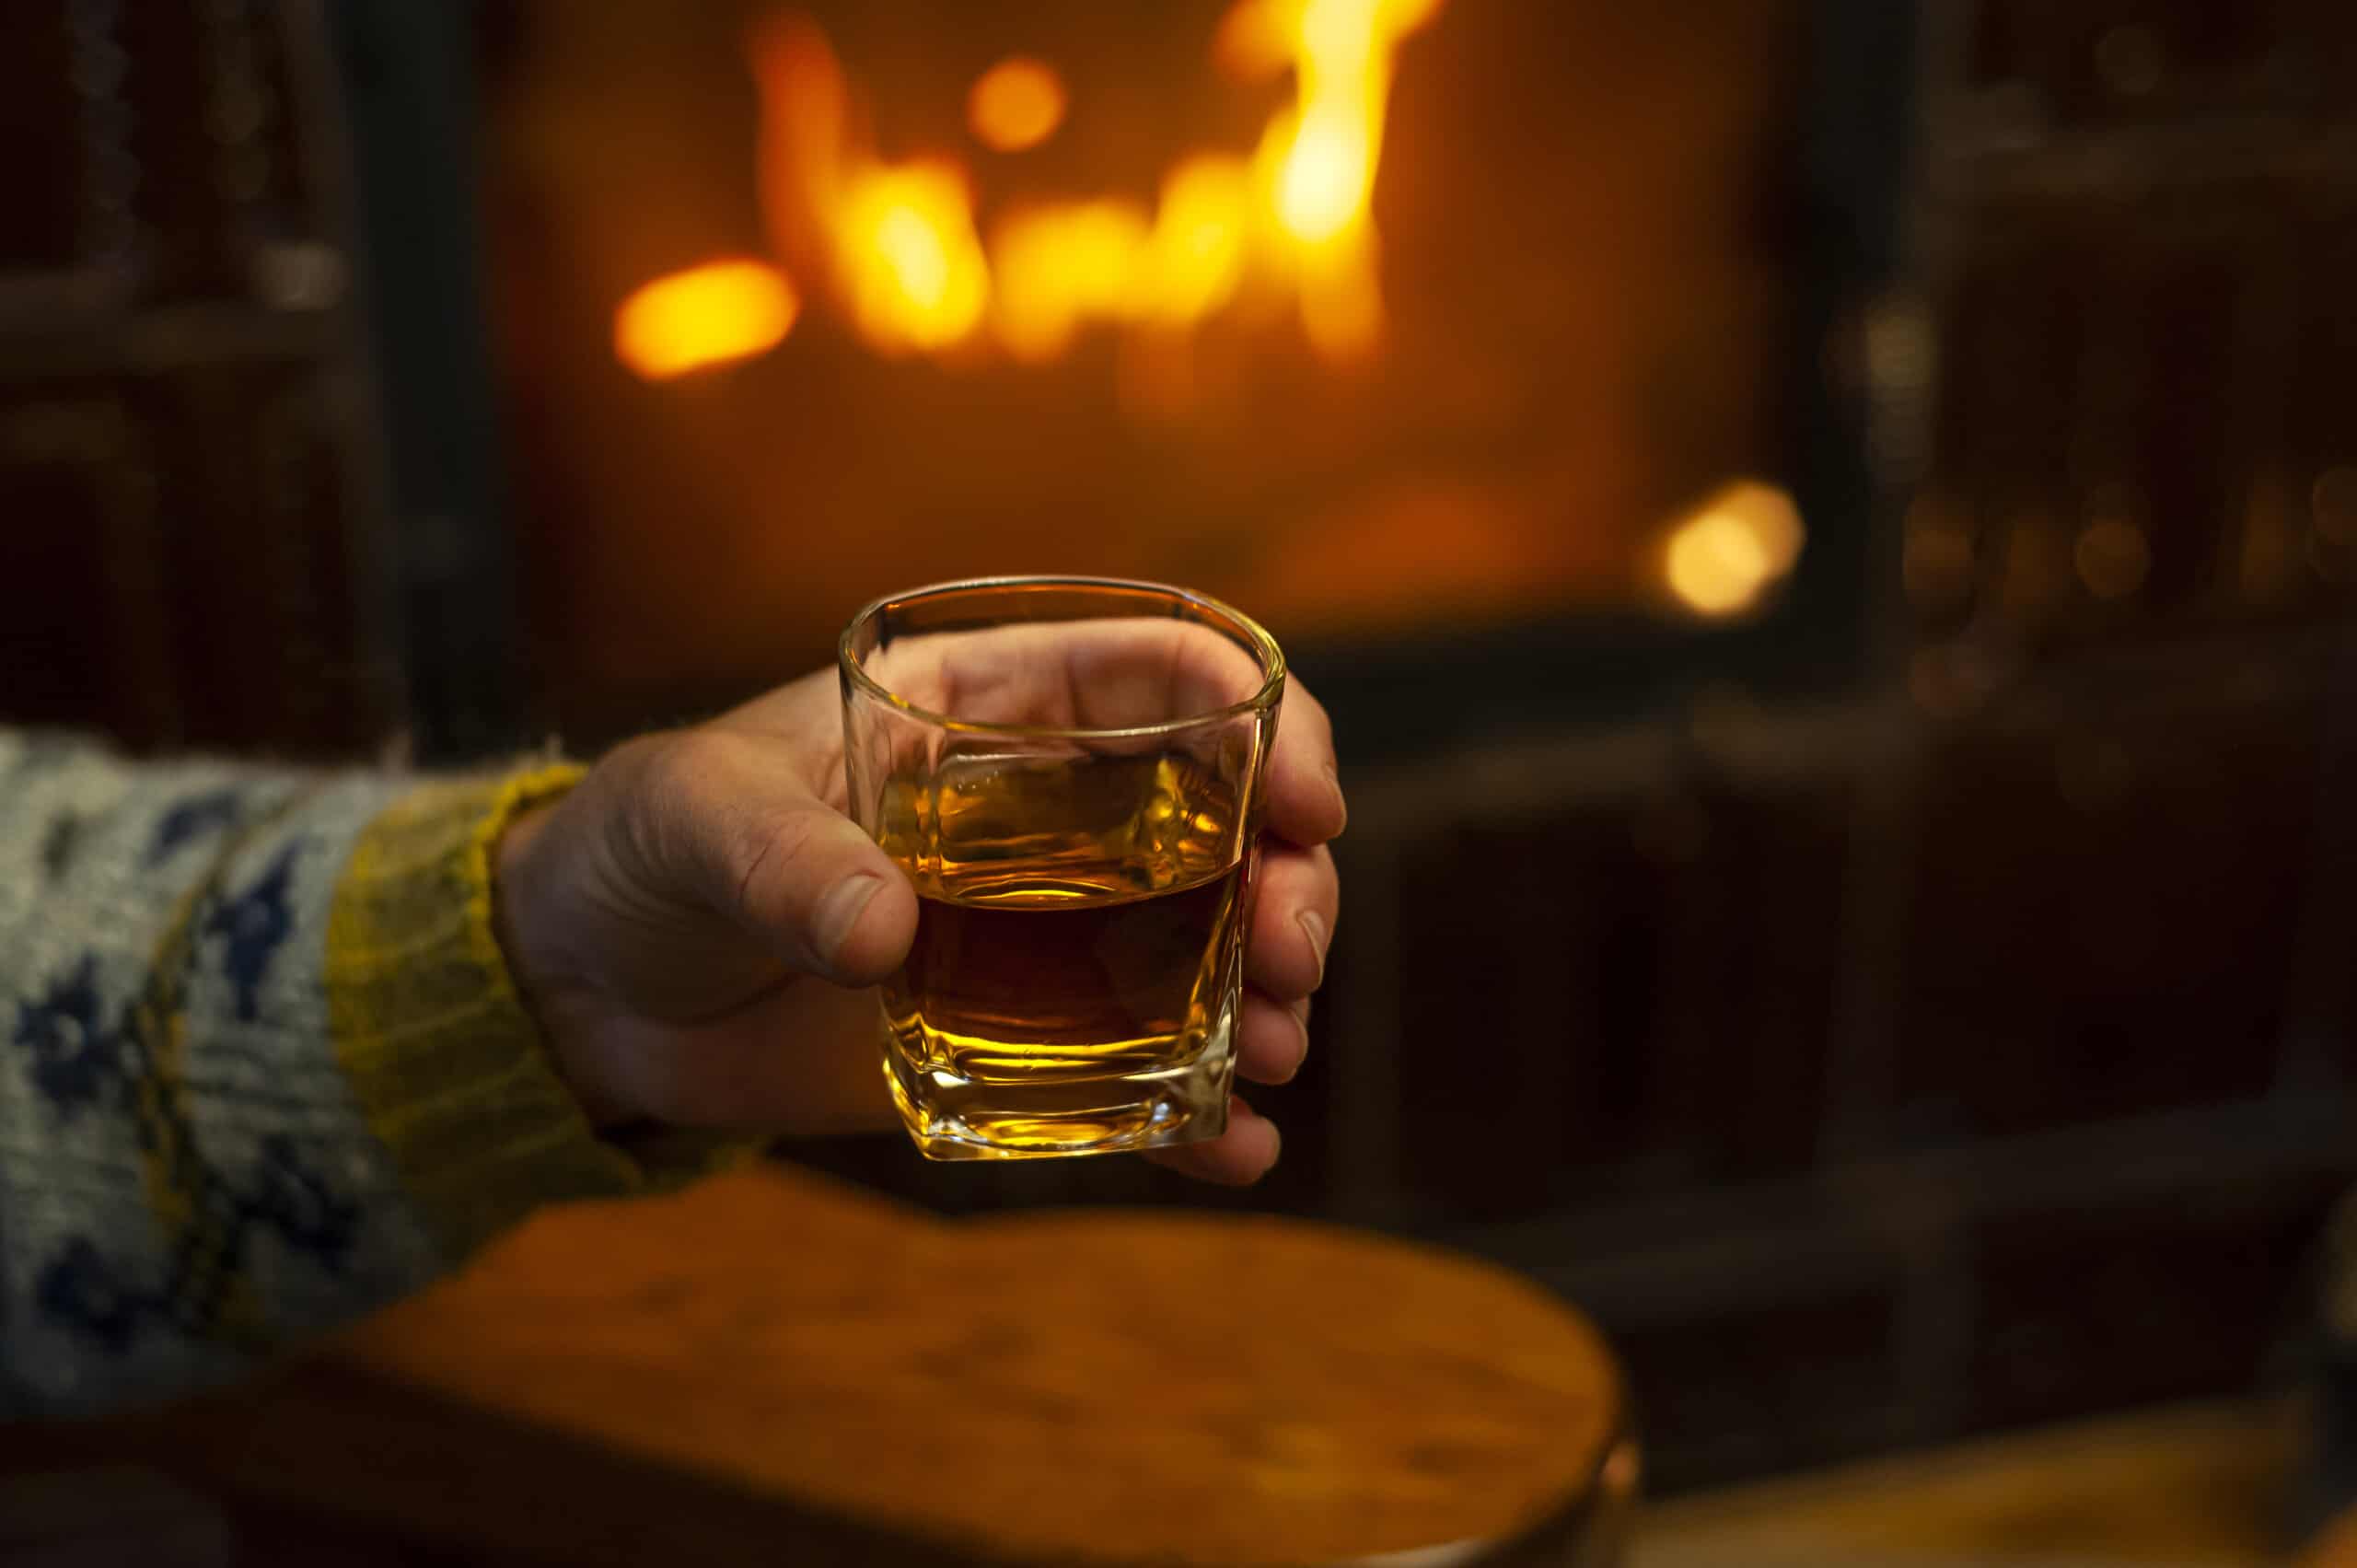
<point x="1304" y="788"/>
<point x="1116" y="672"/>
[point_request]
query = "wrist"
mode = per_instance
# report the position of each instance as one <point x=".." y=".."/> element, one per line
<point x="527" y="918"/>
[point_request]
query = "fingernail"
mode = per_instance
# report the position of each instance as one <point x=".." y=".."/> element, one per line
<point x="840" y="910"/>
<point x="1341" y="805"/>
<point x="1314" y="926"/>
<point x="1300" y="1014"/>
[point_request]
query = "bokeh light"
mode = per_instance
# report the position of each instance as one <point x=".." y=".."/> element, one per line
<point x="913" y="264"/>
<point x="1015" y="104"/>
<point x="1729" y="551"/>
<point x="708" y="315"/>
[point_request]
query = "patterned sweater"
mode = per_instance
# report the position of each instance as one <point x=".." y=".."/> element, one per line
<point x="261" y="1065"/>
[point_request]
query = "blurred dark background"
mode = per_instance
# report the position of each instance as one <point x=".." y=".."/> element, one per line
<point x="1841" y="520"/>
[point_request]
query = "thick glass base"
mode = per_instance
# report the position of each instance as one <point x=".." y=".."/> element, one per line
<point x="951" y="1116"/>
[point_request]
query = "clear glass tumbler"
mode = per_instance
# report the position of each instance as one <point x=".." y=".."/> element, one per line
<point x="1070" y="770"/>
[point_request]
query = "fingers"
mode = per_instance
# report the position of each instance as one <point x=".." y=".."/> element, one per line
<point x="1237" y="1157"/>
<point x="1272" y="1038"/>
<point x="723" y="816"/>
<point x="1112" y="674"/>
<point x="1293" y="920"/>
<point x="1105" y="674"/>
<point x="1305" y="802"/>
<point x="800" y="1060"/>
<point x="1109" y="674"/>
<point x="805" y="714"/>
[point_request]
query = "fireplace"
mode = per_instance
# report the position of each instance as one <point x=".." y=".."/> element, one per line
<point x="1424" y="330"/>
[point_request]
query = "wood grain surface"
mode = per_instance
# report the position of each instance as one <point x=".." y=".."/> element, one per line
<point x="772" y="1361"/>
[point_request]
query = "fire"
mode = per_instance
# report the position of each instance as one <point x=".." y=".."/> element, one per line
<point x="905" y="241"/>
<point x="898" y="245"/>
<point x="1342" y="65"/>
<point x="1341" y="295"/>
<point x="1059" y="266"/>
<point x="706" y="316"/>
<point x="1328" y="170"/>
<point x="1015" y="104"/>
<point x="1196" y="258"/>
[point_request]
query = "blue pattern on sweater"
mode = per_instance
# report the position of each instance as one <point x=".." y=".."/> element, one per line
<point x="82" y="1292"/>
<point x="198" y="813"/>
<point x="255" y="924"/>
<point x="77" y="1061"/>
<point x="75" y="1058"/>
<point x="77" y="1288"/>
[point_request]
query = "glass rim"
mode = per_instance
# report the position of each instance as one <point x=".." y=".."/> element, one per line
<point x="1263" y="645"/>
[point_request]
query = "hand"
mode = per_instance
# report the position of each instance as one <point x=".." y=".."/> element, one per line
<point x="694" y="925"/>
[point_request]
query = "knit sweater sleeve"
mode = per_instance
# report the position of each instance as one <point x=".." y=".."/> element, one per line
<point x="261" y="1064"/>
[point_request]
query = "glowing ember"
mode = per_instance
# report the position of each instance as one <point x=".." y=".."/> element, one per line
<point x="706" y="316"/>
<point x="1732" y="547"/>
<point x="1015" y="104"/>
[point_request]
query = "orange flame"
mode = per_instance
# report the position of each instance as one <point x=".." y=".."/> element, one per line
<point x="905" y="243"/>
<point x="1196" y="258"/>
<point x="706" y="316"/>
<point x="896" y="240"/>
<point x="1325" y="177"/>
<point x="897" y="244"/>
<point x="1057" y="266"/>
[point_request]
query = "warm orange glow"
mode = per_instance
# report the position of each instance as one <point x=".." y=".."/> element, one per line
<point x="1322" y="188"/>
<point x="1327" y="155"/>
<point x="706" y="316"/>
<point x="1342" y="297"/>
<point x="1196" y="258"/>
<point x="896" y="241"/>
<point x="1401" y="17"/>
<point x="1015" y="104"/>
<point x="1255" y="40"/>
<point x="1728" y="551"/>
<point x="1060" y="266"/>
<point x="805" y="129"/>
<point x="896" y="245"/>
<point x="913" y="265"/>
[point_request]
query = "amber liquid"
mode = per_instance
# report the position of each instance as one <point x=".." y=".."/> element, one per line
<point x="1078" y="939"/>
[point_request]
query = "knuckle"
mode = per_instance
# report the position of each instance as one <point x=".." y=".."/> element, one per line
<point x="646" y="786"/>
<point x="672" y="767"/>
<point x="789" y="841"/>
<point x="675" y="789"/>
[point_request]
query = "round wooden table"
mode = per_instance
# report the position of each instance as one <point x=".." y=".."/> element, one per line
<point x="774" y="1363"/>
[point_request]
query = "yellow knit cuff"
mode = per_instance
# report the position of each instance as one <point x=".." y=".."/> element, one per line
<point x="449" y="1067"/>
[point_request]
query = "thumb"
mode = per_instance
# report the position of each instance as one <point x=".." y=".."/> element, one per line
<point x="728" y="814"/>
